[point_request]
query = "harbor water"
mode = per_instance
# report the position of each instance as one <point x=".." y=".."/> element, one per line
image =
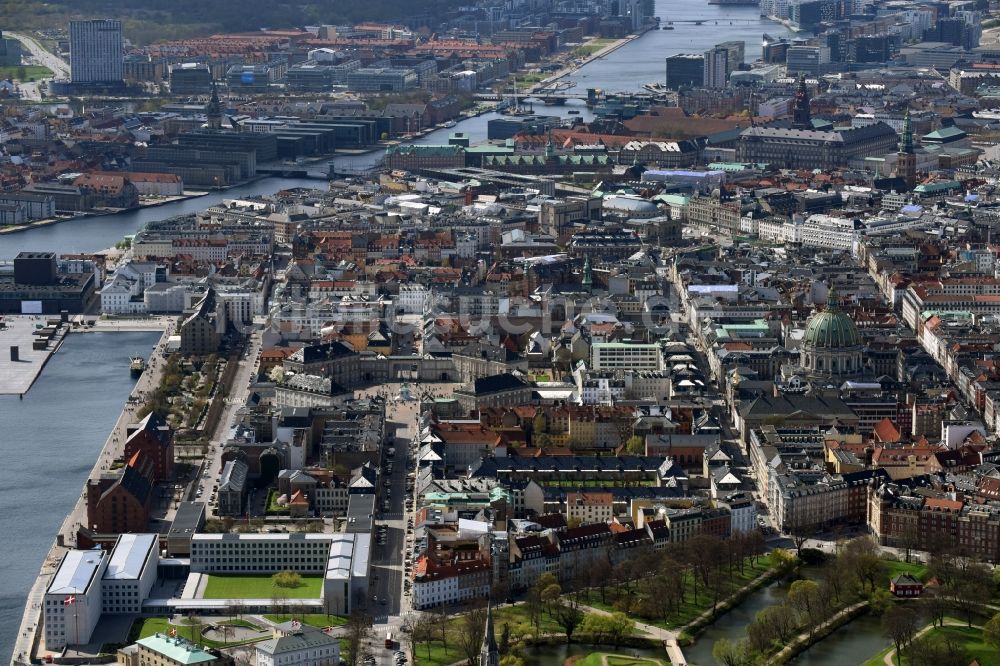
<point x="50" y="441"/>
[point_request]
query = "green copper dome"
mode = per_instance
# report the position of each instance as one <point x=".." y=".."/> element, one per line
<point x="831" y="329"/>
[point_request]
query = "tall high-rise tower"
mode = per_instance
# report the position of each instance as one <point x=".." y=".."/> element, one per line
<point x="96" y="51"/>
<point x="906" y="158"/>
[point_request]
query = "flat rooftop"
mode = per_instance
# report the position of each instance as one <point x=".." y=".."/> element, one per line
<point x="130" y="555"/>
<point x="76" y="572"/>
<point x="16" y="377"/>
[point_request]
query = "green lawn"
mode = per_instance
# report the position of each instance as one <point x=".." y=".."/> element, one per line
<point x="894" y="568"/>
<point x="318" y="620"/>
<point x="435" y="653"/>
<point x="971" y="639"/>
<point x="148" y="626"/>
<point x="31" y="73"/>
<point x="592" y="47"/>
<point x="259" y="587"/>
<point x="692" y="607"/>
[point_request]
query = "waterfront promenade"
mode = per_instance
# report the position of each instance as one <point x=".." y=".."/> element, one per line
<point x="30" y="634"/>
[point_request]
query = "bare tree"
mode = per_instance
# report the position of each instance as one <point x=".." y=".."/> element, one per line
<point x="473" y="628"/>
<point x="359" y="626"/>
<point x="422" y="631"/>
<point x="899" y="624"/>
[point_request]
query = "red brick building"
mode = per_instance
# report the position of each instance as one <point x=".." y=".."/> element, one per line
<point x="155" y="439"/>
<point x="121" y="502"/>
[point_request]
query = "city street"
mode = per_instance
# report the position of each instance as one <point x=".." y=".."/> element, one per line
<point x="38" y="55"/>
<point x="239" y="392"/>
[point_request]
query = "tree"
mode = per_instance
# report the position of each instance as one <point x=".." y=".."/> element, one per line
<point x="934" y="650"/>
<point x="422" y="631"/>
<point x="439" y="620"/>
<point x="503" y="645"/>
<point x="778" y="620"/>
<point x="899" y="624"/>
<point x="470" y="639"/>
<point x="804" y="596"/>
<point x="600" y="577"/>
<point x="935" y="605"/>
<point x="359" y="625"/>
<point x="635" y="446"/>
<point x="732" y="653"/>
<point x="286" y="579"/>
<point x="550" y="597"/>
<point x="970" y="590"/>
<point x="619" y="627"/>
<point x="533" y="608"/>
<point x="991" y="631"/>
<point x="862" y="557"/>
<point x="567" y="616"/>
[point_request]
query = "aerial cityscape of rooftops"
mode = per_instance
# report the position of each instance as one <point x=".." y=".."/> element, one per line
<point x="500" y="332"/>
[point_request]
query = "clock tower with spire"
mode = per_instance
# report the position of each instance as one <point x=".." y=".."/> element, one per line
<point x="906" y="158"/>
<point x="213" y="111"/>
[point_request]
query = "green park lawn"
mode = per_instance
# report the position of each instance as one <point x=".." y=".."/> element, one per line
<point x="147" y="626"/>
<point x="436" y="653"/>
<point x="970" y="639"/>
<point x="259" y="587"/>
<point x="893" y="569"/>
<point x="692" y="606"/>
<point x="592" y="47"/>
<point x="318" y="620"/>
<point x="31" y="73"/>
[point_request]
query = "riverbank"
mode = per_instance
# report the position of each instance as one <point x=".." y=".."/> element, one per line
<point x="30" y="635"/>
<point x="149" y="203"/>
<point x="690" y="632"/>
<point x="806" y="639"/>
<point x="597" y="55"/>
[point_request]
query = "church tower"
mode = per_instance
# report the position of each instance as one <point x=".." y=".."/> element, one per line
<point x="801" y="118"/>
<point x="588" y="275"/>
<point x="489" y="655"/>
<point x="906" y="158"/>
<point x="214" y="110"/>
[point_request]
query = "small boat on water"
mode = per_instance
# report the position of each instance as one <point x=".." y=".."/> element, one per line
<point x="137" y="365"/>
<point x="448" y="123"/>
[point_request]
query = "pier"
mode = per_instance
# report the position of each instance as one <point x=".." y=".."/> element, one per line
<point x="20" y="360"/>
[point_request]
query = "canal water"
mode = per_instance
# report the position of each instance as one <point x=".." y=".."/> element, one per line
<point x="556" y="655"/>
<point x="643" y="60"/>
<point x="50" y="441"/>
<point x="853" y="643"/>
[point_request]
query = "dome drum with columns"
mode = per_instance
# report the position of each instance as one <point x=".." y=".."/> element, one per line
<point x="831" y="346"/>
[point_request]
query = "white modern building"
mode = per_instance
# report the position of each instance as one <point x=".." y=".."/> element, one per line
<point x="96" y="51"/>
<point x="343" y="560"/>
<point x="131" y="573"/>
<point x="73" y="599"/>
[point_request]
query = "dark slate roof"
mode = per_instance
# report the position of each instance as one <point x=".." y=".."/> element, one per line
<point x="498" y="383"/>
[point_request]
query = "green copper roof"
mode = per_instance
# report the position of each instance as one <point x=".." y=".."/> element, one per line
<point x="831" y="329"/>
<point x="176" y="649"/>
